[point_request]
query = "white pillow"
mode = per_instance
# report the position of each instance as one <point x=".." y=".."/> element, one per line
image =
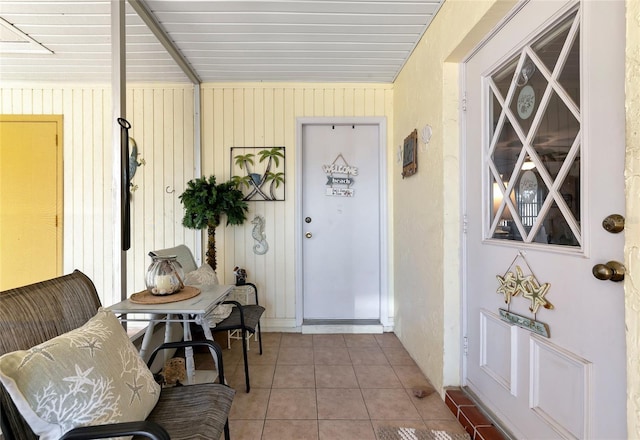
<point x="203" y="276"/>
<point x="219" y="314"/>
<point x="88" y="376"/>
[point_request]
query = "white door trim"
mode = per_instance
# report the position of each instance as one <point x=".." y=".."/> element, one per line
<point x="463" y="177"/>
<point x="463" y="230"/>
<point x="381" y="122"/>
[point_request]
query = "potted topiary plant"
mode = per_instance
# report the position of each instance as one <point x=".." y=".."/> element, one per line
<point x="206" y="202"/>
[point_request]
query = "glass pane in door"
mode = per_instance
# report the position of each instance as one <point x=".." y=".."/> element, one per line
<point x="535" y="141"/>
<point x="570" y="76"/>
<point x="530" y="84"/>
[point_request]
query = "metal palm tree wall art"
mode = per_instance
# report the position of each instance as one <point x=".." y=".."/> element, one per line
<point x="259" y="172"/>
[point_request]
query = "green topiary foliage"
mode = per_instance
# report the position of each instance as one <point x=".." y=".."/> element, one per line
<point x="206" y="202"/>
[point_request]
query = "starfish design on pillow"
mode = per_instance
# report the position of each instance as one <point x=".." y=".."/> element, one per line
<point x="135" y="389"/>
<point x="35" y="351"/>
<point x="92" y="346"/>
<point x="79" y="379"/>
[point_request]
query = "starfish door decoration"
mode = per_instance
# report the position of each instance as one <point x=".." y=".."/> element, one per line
<point x="514" y="283"/>
<point x="535" y="294"/>
<point x="521" y="281"/>
<point x="507" y="286"/>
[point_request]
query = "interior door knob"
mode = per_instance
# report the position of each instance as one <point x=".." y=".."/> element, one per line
<point x="308" y="235"/>
<point x="613" y="271"/>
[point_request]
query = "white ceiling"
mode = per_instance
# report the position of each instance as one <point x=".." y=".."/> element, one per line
<point x="221" y="40"/>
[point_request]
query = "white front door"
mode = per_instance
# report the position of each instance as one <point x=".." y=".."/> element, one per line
<point x="544" y="167"/>
<point x="340" y="221"/>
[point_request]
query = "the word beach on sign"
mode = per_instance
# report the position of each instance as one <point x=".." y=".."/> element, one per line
<point x="339" y="178"/>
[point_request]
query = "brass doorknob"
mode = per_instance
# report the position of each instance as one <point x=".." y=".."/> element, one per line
<point x="308" y="235"/>
<point x="614" y="223"/>
<point x="613" y="271"/>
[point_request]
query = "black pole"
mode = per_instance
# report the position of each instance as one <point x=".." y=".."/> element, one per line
<point x="125" y="211"/>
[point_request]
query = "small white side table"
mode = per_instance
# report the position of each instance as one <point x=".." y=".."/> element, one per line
<point x="189" y="310"/>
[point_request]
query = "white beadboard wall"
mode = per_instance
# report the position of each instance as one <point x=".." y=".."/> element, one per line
<point x="162" y="125"/>
<point x="264" y="115"/>
<point x="234" y="115"/>
<point x="163" y="128"/>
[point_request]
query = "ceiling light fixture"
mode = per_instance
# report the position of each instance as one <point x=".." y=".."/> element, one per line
<point x="528" y="164"/>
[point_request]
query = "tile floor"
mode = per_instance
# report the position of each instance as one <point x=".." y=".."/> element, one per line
<point x="338" y="386"/>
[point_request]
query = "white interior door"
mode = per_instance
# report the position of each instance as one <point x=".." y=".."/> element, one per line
<point x="340" y="222"/>
<point x="544" y="167"/>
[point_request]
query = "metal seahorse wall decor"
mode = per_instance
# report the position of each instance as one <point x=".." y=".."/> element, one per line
<point x="261" y="247"/>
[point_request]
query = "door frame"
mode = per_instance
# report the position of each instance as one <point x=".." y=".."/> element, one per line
<point x="381" y="123"/>
<point x="464" y="142"/>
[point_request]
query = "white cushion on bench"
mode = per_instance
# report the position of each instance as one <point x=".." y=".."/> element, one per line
<point x="90" y="375"/>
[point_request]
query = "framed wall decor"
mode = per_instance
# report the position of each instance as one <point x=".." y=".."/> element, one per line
<point x="259" y="172"/>
<point x="410" y="155"/>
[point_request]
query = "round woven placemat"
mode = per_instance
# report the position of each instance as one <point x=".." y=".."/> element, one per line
<point x="145" y="297"/>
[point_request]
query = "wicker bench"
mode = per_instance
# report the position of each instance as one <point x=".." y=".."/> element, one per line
<point x="34" y="314"/>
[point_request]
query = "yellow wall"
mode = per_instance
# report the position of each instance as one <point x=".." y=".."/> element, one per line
<point x="632" y="227"/>
<point x="427" y="248"/>
<point x="264" y="115"/>
<point x="427" y="225"/>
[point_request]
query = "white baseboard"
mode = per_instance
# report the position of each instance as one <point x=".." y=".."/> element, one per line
<point x="342" y="328"/>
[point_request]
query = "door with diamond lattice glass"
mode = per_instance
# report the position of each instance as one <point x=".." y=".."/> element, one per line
<point x="535" y="142"/>
<point x="543" y="167"/>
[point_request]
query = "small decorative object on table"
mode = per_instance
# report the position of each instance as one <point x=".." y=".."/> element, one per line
<point x="241" y="276"/>
<point x="164" y="276"/>
<point x="174" y="372"/>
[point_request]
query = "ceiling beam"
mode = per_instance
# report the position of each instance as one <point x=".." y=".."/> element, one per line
<point x="145" y="14"/>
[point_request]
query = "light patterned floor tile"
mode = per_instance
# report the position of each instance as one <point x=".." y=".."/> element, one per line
<point x="346" y="430"/>
<point x="290" y="430"/>
<point x="292" y="404"/>
<point x="335" y="376"/>
<point x="294" y="376"/>
<point x="385" y="404"/>
<point x="341" y="403"/>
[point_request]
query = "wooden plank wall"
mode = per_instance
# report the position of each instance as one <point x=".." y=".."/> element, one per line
<point x="162" y="125"/>
<point x="234" y="115"/>
<point x="163" y="128"/>
<point x="264" y="115"/>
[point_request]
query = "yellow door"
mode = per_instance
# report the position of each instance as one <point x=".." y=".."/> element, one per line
<point x="30" y="199"/>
